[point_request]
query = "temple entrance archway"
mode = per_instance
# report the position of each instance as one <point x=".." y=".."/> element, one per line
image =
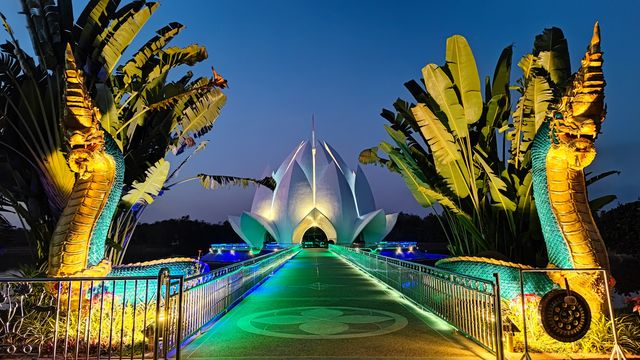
<point x="314" y="237"/>
<point x="268" y="238"/>
<point x="315" y="219"/>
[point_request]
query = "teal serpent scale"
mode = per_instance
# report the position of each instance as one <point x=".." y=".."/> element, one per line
<point x="562" y="147"/>
<point x="535" y="283"/>
<point x="78" y="245"/>
<point x="131" y="290"/>
<point x="97" y="244"/>
<point x="557" y="248"/>
<point x="99" y="235"/>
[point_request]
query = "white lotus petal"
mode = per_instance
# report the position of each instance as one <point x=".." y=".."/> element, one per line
<point x="315" y="189"/>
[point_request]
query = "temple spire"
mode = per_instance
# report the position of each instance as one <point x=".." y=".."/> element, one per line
<point x="313" y="157"/>
<point x="313" y="130"/>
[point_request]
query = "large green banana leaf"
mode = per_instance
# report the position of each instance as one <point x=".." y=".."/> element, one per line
<point x="214" y="182"/>
<point x="441" y="88"/>
<point x="121" y="31"/>
<point x="370" y="156"/>
<point x="599" y="203"/>
<point x="530" y="113"/>
<point x="198" y="118"/>
<point x="441" y="142"/>
<point x="94" y="18"/>
<point x="497" y="186"/>
<point x="110" y="120"/>
<point x="133" y="67"/>
<point x="502" y="73"/>
<point x="595" y="178"/>
<point x="462" y="65"/>
<point x="175" y="56"/>
<point x="552" y="54"/>
<point x="145" y="192"/>
<point x="446" y="152"/>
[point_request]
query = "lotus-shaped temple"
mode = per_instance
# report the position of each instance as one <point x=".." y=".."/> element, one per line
<point x="317" y="195"/>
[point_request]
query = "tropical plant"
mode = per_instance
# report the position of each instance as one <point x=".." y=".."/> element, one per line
<point x="148" y="116"/>
<point x="451" y="150"/>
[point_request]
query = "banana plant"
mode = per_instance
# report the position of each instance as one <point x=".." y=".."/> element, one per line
<point x="148" y="116"/>
<point x="450" y="146"/>
<point x="442" y="145"/>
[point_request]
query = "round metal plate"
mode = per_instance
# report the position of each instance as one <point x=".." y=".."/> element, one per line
<point x="565" y="315"/>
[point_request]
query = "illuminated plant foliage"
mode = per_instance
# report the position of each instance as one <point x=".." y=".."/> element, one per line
<point x="148" y="115"/>
<point x="458" y="147"/>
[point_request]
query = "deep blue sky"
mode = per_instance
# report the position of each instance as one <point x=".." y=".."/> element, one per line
<point x="345" y="60"/>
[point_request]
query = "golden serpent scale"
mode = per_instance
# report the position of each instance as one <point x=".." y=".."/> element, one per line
<point x="78" y="245"/>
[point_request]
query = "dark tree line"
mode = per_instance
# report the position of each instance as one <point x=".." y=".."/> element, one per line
<point x="177" y="237"/>
<point x="620" y="228"/>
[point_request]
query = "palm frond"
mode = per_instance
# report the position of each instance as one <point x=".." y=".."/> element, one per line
<point x="133" y="67"/>
<point x="115" y="39"/>
<point x="441" y="88"/>
<point x="214" y="182"/>
<point x="145" y="192"/>
<point x="199" y="117"/>
<point x="440" y="140"/>
<point x="462" y="65"/>
<point x="595" y="178"/>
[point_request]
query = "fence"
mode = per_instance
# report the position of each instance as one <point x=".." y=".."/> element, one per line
<point x="82" y="317"/>
<point x="470" y="304"/>
<point x="206" y="297"/>
<point x="141" y="317"/>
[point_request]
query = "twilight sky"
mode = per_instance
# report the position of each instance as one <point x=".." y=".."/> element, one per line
<point x="344" y="60"/>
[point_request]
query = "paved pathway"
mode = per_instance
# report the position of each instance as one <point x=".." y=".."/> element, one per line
<point x="317" y="306"/>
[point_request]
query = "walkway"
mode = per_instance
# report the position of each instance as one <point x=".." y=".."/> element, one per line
<point x="318" y="306"/>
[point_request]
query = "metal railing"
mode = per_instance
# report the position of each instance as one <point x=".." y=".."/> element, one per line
<point x="469" y="304"/>
<point x="108" y="317"/>
<point x="142" y="317"/>
<point x="196" y="302"/>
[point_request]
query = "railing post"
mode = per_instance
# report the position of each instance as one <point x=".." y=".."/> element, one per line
<point x="498" y="316"/>
<point x="162" y="275"/>
<point x="180" y="316"/>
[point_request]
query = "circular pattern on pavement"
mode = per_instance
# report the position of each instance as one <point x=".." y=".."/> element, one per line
<point x="333" y="322"/>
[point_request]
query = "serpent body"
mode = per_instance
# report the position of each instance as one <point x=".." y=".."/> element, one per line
<point x="562" y="148"/>
<point x="78" y="245"/>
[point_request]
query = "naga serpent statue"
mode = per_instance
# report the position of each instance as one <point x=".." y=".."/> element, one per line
<point x="563" y="146"/>
<point x="78" y="245"/>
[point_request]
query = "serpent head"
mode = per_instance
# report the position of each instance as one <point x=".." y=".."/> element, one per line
<point x="574" y="140"/>
<point x="81" y="122"/>
<point x="576" y="122"/>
